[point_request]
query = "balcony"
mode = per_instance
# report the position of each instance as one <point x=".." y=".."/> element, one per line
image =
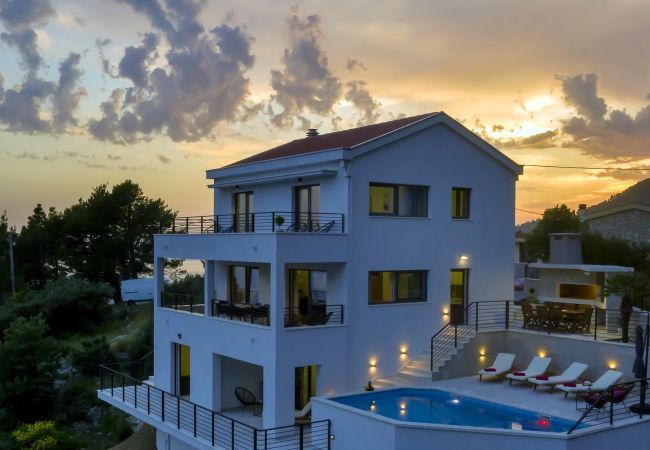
<point x="262" y="222"/>
<point x="202" y="427"/>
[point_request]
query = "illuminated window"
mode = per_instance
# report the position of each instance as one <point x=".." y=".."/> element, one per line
<point x="398" y="200"/>
<point x="397" y="286"/>
<point x="460" y="203"/>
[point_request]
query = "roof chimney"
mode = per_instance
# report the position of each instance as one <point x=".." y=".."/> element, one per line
<point x="566" y="248"/>
<point x="311" y="132"/>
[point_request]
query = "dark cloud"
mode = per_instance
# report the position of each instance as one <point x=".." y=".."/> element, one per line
<point x="353" y="64"/>
<point x="580" y="91"/>
<point x="202" y="83"/>
<point x="67" y="95"/>
<point x="135" y="61"/>
<point x="107" y="67"/>
<point x="305" y="83"/>
<point x="542" y="140"/>
<point x="615" y="135"/>
<point x="163" y="159"/>
<point x="21" y="107"/>
<point x="359" y="95"/>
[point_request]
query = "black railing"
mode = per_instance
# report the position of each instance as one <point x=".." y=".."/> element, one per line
<point x="618" y="402"/>
<point x="318" y="314"/>
<point x="213" y="428"/>
<point x="550" y="318"/>
<point x="252" y="313"/>
<point x="181" y="301"/>
<point x="259" y="222"/>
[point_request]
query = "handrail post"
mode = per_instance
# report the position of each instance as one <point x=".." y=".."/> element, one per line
<point x="187" y="225"/>
<point x="194" y="420"/>
<point x="232" y="434"/>
<point x="212" y="430"/>
<point x="507" y="314"/>
<point x="216" y="225"/>
<point x="112" y="383"/>
<point x="123" y="381"/>
<point x="178" y="413"/>
<point x="476" y="316"/>
<point x="548" y="320"/>
<point x="201" y="224"/>
<point x="595" y="323"/>
<point x="342" y="223"/>
<point x="162" y="407"/>
<point x="135" y="395"/>
<point x="273" y="221"/>
<point x="455" y="335"/>
<point x="611" y="405"/>
<point x="252" y="227"/>
<point x="302" y="437"/>
<point x="254" y="439"/>
<point x="329" y="434"/>
<point x="148" y="400"/>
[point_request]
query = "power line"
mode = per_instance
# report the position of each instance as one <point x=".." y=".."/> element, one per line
<point x="586" y="168"/>
<point x="530" y="212"/>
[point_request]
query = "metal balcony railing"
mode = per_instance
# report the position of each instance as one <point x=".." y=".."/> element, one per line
<point x="182" y="301"/>
<point x="259" y="222"/>
<point x="210" y="427"/>
<point x="318" y="314"/>
<point x="252" y="313"/>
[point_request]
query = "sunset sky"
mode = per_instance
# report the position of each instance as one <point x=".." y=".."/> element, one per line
<point x="158" y="91"/>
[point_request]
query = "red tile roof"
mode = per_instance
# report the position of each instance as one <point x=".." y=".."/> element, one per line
<point x="337" y="139"/>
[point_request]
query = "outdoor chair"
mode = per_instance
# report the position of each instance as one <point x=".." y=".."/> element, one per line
<point x="537" y="367"/>
<point x="530" y="315"/>
<point x="247" y="398"/>
<point x="325" y="228"/>
<point x="616" y="396"/>
<point x="603" y="383"/>
<point x="502" y="364"/>
<point x="570" y="375"/>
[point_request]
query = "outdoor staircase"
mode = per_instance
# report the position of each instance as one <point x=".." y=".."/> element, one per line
<point x="418" y="369"/>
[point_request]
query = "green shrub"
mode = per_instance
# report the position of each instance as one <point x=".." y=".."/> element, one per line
<point x="91" y="353"/>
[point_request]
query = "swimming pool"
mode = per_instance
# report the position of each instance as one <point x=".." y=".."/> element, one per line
<point x="441" y="407"/>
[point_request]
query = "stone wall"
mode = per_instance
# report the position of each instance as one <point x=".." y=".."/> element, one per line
<point x="631" y="225"/>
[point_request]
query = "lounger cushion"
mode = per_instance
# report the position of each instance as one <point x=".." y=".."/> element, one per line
<point x="570" y="384"/>
<point x="542" y="377"/>
<point x="490" y="369"/>
<point x="519" y="374"/>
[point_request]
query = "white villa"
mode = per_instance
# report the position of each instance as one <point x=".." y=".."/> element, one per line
<point x="331" y="261"/>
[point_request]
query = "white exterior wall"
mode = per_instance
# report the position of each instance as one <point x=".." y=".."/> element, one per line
<point x="441" y="159"/>
<point x="435" y="157"/>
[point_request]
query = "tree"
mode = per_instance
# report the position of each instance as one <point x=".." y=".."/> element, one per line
<point x="5" y="232"/>
<point x="38" y="248"/>
<point x="632" y="288"/>
<point x="28" y="368"/>
<point x="559" y="219"/>
<point x="109" y="236"/>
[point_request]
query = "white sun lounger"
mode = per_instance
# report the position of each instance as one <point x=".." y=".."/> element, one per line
<point x="571" y="374"/>
<point x="502" y="364"/>
<point x="537" y="367"/>
<point x="606" y="380"/>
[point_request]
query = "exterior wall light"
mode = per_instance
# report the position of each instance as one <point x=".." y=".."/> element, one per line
<point x="481" y="353"/>
<point x="403" y="350"/>
<point x="463" y="258"/>
<point x="445" y="312"/>
<point x="612" y="364"/>
<point x="542" y="353"/>
<point x="372" y="363"/>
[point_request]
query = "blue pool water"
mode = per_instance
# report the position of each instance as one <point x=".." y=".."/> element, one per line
<point x="441" y="407"/>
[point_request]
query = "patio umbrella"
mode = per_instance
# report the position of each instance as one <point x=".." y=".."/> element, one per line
<point x="638" y="367"/>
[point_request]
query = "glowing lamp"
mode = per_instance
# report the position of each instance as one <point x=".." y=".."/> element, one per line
<point x="542" y="353"/>
<point x="612" y="364"/>
<point x="463" y="258"/>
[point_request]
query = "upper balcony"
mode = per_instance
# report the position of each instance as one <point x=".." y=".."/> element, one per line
<point x="259" y="222"/>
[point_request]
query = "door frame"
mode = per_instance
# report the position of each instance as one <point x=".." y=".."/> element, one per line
<point x="311" y="214"/>
<point x="457" y="312"/>
<point x="248" y="224"/>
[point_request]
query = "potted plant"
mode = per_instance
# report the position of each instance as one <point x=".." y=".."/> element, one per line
<point x="279" y="221"/>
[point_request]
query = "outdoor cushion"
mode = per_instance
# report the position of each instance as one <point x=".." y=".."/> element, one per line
<point x="570" y="384"/>
<point x="490" y="369"/>
<point x="520" y="374"/>
<point x="542" y="377"/>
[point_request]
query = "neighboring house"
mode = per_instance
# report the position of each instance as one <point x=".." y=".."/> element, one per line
<point x="381" y="226"/>
<point x="624" y="216"/>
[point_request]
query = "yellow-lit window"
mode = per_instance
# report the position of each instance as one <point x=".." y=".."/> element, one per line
<point x="460" y="203"/>
<point x="382" y="199"/>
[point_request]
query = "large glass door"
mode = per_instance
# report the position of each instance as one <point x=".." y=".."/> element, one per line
<point x="307" y="300"/>
<point x="307" y="208"/>
<point x="244" y="285"/>
<point x="243" y="212"/>
<point x="458" y="295"/>
<point x="305" y="386"/>
<point x="182" y="372"/>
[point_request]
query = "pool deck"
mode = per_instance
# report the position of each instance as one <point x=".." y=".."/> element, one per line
<point x="519" y="395"/>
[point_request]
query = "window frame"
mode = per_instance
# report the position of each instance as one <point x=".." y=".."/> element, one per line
<point x="468" y="191"/>
<point x="395" y="187"/>
<point x="395" y="301"/>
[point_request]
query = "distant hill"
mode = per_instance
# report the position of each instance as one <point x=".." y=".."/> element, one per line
<point x="639" y="193"/>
